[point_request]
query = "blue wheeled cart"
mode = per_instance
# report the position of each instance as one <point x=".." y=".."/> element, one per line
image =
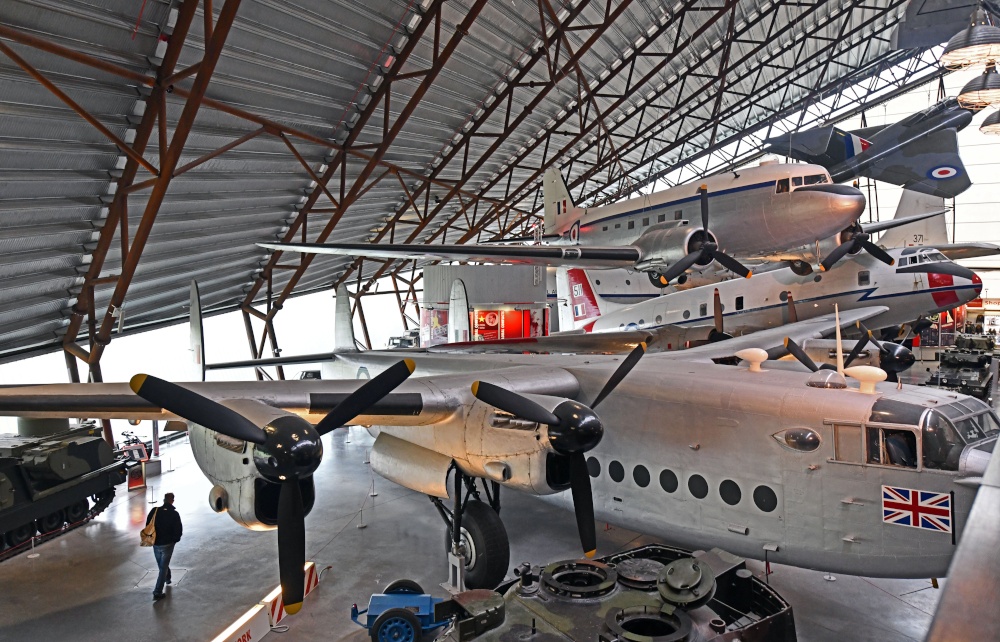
<point x="401" y="613"/>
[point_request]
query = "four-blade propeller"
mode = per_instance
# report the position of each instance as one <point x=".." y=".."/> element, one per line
<point x="573" y="429"/>
<point x="287" y="450"/>
<point x="707" y="252"/>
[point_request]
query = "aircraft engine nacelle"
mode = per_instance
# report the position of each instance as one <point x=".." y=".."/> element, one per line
<point x="506" y="449"/>
<point x="662" y="246"/>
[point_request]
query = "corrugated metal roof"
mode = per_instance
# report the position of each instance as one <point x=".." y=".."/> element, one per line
<point x="314" y="65"/>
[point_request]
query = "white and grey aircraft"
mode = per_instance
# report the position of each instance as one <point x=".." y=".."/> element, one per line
<point x="922" y="282"/>
<point x="758" y="213"/>
<point x="804" y="468"/>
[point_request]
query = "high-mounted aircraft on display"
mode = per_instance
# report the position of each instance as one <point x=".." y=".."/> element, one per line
<point x="757" y="212"/>
<point x="919" y="153"/>
<point x="803" y="468"/>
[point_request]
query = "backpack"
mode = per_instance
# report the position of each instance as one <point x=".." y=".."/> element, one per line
<point x="147" y="535"/>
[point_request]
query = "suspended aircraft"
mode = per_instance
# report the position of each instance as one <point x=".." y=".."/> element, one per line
<point x="755" y="212"/>
<point x="919" y="152"/>
<point x="801" y="467"/>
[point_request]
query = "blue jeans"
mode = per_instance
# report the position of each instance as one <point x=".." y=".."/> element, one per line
<point x="162" y="555"/>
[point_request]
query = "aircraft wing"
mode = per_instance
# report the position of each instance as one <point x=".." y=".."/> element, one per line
<point x="418" y="401"/>
<point x="583" y="256"/>
<point x="956" y="251"/>
<point x="773" y="339"/>
<point x="930" y="164"/>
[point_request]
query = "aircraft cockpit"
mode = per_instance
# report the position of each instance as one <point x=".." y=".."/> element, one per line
<point x="916" y="255"/>
<point x="785" y="185"/>
<point x="938" y="438"/>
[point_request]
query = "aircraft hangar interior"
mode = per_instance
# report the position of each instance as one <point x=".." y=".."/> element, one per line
<point x="536" y="320"/>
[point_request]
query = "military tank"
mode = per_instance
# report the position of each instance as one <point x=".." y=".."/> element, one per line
<point x="51" y="484"/>
<point x="653" y="593"/>
<point x="967" y="370"/>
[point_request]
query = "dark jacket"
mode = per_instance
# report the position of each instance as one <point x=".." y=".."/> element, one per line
<point x="168" y="525"/>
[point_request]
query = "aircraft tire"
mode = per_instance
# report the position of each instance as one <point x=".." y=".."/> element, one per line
<point x="484" y="533"/>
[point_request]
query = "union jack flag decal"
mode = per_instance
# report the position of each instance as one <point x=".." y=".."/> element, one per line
<point x="916" y="508"/>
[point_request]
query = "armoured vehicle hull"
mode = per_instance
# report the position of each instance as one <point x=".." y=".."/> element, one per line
<point x="969" y="371"/>
<point x="51" y="484"/>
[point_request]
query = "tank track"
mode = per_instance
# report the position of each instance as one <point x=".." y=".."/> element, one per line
<point x="101" y="501"/>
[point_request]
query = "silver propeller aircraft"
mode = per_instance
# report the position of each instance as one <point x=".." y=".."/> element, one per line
<point x="757" y="213"/>
<point x="919" y="152"/>
<point x="804" y="468"/>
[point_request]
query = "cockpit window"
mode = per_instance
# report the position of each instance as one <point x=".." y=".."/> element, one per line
<point x="796" y="181"/>
<point x="942" y="445"/>
<point x="936" y="256"/>
<point x="816" y="179"/>
<point x="782" y="186"/>
<point x="972" y="419"/>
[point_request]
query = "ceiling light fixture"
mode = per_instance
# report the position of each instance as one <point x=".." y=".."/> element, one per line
<point x="979" y="43"/>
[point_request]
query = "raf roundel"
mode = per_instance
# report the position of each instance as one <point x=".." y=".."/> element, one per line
<point x="942" y="172"/>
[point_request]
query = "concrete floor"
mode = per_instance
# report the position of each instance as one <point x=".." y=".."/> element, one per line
<point x="95" y="583"/>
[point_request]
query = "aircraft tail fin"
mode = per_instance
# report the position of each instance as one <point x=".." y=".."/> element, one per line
<point x="826" y="146"/>
<point x="343" y="324"/>
<point x="560" y="213"/>
<point x="197" y="334"/>
<point x="929" y="231"/>
<point x="582" y="305"/>
<point x="459" y="329"/>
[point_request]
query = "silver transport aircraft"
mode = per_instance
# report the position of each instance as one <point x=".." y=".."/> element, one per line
<point x="772" y="212"/>
<point x="807" y="469"/>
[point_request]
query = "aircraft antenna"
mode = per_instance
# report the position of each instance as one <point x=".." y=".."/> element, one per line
<point x="840" y="348"/>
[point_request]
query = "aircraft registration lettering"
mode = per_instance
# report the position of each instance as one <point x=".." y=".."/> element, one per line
<point x="916" y="508"/>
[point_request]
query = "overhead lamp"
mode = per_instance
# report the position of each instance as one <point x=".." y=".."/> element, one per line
<point x="979" y="43"/>
<point x="982" y="91"/>
<point x="992" y="124"/>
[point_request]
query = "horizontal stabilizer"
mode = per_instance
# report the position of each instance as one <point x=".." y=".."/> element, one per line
<point x="589" y="256"/>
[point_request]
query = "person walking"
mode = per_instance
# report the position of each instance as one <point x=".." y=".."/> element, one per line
<point x="168" y="532"/>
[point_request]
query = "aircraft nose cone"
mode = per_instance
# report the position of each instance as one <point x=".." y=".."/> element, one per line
<point x="835" y="207"/>
<point x="977" y="282"/>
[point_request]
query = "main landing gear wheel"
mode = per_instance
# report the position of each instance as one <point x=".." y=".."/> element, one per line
<point x="485" y="544"/>
<point x="396" y="625"/>
<point x="403" y="586"/>
<point x="801" y="268"/>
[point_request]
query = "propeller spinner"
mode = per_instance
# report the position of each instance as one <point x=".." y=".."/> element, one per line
<point x="286" y="450"/>
<point x="573" y="430"/>
<point x="706" y="252"/>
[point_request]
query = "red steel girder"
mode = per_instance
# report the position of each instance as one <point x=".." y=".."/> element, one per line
<point x="439" y="61"/>
<point x="505" y="97"/>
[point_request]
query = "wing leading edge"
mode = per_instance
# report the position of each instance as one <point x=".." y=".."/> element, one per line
<point x="583" y="256"/>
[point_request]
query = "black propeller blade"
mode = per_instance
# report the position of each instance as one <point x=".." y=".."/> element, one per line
<point x="288" y="449"/>
<point x="893" y="357"/>
<point x="291" y="545"/>
<point x="194" y="407"/>
<point x="623" y="369"/>
<point x="513" y="403"/>
<point x="857" y="240"/>
<point x="718" y="333"/>
<point x="796" y="351"/>
<point x="708" y="252"/>
<point x="366" y="396"/>
<point x="574" y="429"/>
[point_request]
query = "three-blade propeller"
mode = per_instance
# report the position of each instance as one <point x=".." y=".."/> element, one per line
<point x="707" y="252"/>
<point x="573" y="430"/>
<point x="287" y="450"/>
<point x="893" y="358"/>
<point x="857" y="238"/>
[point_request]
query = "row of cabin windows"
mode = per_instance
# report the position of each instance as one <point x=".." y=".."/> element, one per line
<point x="678" y="215"/>
<point x="764" y="497"/>
<point x="782" y="185"/>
